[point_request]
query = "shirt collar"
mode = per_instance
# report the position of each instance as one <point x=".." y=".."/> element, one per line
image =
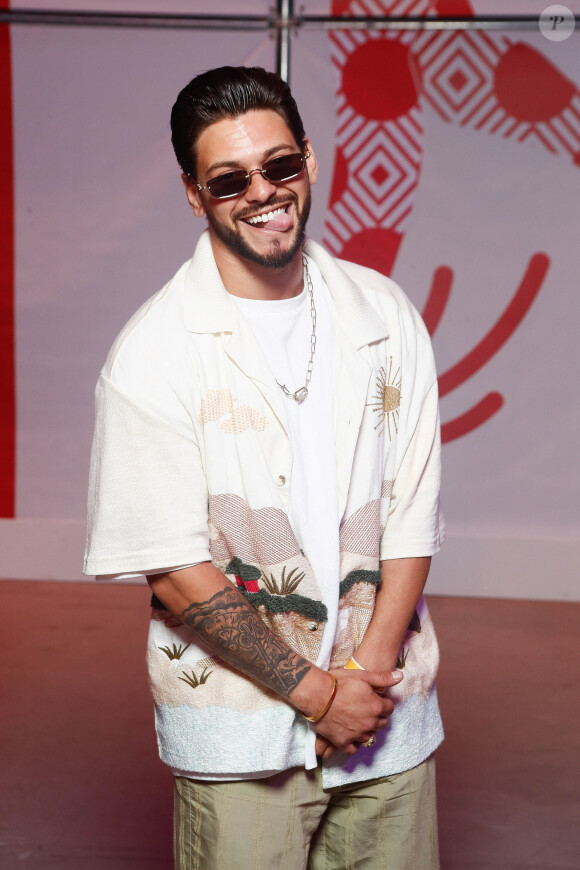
<point x="358" y="318"/>
<point x="208" y="307"/>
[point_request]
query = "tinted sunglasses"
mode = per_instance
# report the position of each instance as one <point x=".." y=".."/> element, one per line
<point x="236" y="182"/>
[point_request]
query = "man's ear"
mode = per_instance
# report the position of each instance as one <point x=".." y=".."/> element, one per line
<point x="311" y="162"/>
<point x="193" y="194"/>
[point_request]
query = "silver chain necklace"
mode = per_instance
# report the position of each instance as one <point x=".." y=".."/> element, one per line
<point x="302" y="392"/>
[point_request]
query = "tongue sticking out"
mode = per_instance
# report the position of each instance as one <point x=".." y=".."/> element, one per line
<point x="278" y="223"/>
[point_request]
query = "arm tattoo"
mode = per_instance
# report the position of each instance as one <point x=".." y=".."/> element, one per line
<point x="234" y="630"/>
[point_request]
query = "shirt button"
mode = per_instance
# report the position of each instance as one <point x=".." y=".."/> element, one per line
<point x="280" y="480"/>
<point x="312" y="626"/>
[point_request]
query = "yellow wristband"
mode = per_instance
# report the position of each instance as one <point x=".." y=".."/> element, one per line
<point x="326" y="707"/>
<point x="353" y="665"/>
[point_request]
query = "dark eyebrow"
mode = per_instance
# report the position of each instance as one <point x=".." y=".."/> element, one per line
<point x="233" y="164"/>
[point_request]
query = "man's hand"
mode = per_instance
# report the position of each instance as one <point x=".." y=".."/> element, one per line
<point x="357" y="712"/>
<point x="207" y="601"/>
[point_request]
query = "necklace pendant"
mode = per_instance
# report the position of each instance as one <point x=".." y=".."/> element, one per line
<point x="301" y="394"/>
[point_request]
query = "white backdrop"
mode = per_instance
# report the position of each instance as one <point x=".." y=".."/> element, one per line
<point x="102" y="222"/>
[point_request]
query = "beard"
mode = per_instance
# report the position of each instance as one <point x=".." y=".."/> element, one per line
<point x="277" y="257"/>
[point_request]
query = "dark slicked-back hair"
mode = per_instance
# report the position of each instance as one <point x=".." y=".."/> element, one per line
<point x="228" y="92"/>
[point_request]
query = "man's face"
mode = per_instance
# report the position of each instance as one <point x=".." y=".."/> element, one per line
<point x="247" y="142"/>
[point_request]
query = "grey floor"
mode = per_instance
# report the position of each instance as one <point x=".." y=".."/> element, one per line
<point x="81" y="787"/>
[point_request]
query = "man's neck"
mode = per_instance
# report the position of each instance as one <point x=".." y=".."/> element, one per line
<point x="249" y="280"/>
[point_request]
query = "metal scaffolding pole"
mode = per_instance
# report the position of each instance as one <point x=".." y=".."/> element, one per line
<point x="415" y="22"/>
<point x="284" y="23"/>
<point x="281" y="21"/>
<point x="65" y="18"/>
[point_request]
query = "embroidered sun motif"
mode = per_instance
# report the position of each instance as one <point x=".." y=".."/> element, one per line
<point x="387" y="399"/>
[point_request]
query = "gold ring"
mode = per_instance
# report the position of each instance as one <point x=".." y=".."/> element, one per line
<point x="371" y="741"/>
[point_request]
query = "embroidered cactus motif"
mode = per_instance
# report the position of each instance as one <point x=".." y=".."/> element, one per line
<point x="288" y="583"/>
<point x="175" y="652"/>
<point x="414" y="626"/>
<point x="402" y="658"/>
<point x="193" y="680"/>
<point x="296" y="619"/>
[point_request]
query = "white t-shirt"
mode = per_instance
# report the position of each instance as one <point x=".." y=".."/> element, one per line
<point x="283" y="329"/>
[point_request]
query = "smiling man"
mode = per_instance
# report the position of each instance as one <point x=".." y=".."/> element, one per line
<point x="269" y="228"/>
<point x="267" y="452"/>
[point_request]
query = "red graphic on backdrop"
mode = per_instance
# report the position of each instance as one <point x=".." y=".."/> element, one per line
<point x="486" y="82"/>
<point x="489" y="345"/>
<point x="493" y="84"/>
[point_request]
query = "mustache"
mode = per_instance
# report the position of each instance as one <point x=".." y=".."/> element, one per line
<point x="246" y="213"/>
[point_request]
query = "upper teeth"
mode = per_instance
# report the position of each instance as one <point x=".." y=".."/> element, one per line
<point x="267" y="216"/>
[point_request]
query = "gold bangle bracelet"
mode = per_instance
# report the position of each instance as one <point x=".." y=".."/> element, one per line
<point x="326" y="707"/>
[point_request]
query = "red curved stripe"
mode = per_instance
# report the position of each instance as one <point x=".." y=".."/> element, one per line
<point x="503" y="329"/>
<point x="438" y="298"/>
<point x="7" y="389"/>
<point x="472" y="419"/>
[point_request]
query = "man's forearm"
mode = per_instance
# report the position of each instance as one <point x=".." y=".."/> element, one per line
<point x="402" y="584"/>
<point x="233" y="629"/>
<point x="208" y="602"/>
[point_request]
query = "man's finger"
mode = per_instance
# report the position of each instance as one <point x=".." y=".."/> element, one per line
<point x="351" y="748"/>
<point x="381" y="680"/>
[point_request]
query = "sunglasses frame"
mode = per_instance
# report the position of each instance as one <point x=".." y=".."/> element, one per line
<point x="248" y="176"/>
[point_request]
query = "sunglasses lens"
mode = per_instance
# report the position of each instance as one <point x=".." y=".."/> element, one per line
<point x="228" y="184"/>
<point x="284" y="167"/>
<point x="235" y="183"/>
